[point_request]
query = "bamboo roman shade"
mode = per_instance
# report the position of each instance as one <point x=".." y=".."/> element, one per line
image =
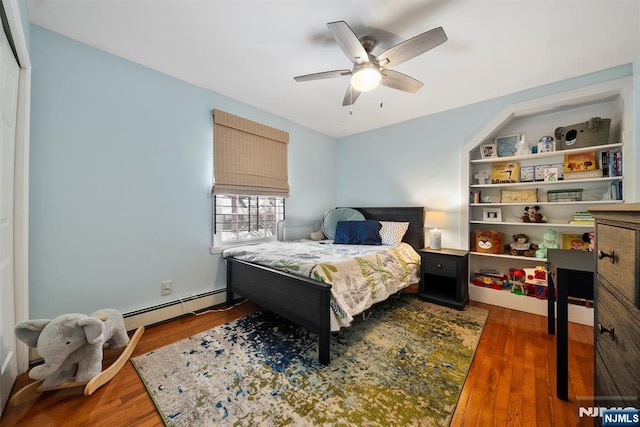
<point x="249" y="158"/>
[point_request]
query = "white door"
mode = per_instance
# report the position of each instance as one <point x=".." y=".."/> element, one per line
<point x="8" y="105"/>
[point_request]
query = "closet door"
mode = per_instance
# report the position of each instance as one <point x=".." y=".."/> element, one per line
<point x="9" y="73"/>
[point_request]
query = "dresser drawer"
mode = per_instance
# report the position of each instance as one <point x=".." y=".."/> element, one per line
<point x="622" y="273"/>
<point x="616" y="365"/>
<point x="441" y="265"/>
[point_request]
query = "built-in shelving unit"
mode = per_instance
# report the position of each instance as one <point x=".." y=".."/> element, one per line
<point x="536" y="119"/>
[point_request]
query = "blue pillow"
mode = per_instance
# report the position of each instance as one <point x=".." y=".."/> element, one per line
<point x="358" y="232"/>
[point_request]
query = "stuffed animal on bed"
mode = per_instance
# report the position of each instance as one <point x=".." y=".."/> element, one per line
<point x="317" y="235"/>
<point x="72" y="342"/>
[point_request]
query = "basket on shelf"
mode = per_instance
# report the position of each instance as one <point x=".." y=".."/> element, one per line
<point x="574" y="195"/>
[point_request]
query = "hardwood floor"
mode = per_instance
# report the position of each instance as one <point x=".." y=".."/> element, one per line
<point x="511" y="380"/>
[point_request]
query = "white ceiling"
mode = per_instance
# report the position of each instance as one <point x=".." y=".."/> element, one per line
<point x="250" y="50"/>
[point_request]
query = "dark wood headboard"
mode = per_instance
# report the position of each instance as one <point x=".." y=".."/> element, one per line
<point x="413" y="215"/>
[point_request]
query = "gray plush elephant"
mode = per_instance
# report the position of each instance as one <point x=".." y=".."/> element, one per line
<point x="72" y="342"/>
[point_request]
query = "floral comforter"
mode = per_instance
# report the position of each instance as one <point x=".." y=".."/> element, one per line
<point x="360" y="275"/>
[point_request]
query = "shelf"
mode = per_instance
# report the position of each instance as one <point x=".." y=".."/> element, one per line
<point x="544" y="183"/>
<point x="581" y="202"/>
<point x="548" y="154"/>
<point x="534" y="224"/>
<point x="528" y="258"/>
<point x="504" y="298"/>
<point x="534" y="119"/>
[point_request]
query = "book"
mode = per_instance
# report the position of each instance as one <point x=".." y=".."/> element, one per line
<point x="550" y="174"/>
<point x="580" y="162"/>
<point x="527" y="174"/>
<point x="596" y="173"/>
<point x="611" y="162"/>
<point x="539" y="171"/>
<point x="503" y="173"/>
<point x="475" y="197"/>
<point x="604" y="162"/>
<point x="582" y="215"/>
<point x="574" y="242"/>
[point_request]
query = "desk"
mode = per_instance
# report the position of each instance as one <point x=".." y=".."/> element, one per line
<point x="562" y="265"/>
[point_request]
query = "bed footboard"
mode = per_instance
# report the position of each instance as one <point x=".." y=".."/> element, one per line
<point x="298" y="299"/>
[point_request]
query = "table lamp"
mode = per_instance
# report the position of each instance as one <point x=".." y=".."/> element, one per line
<point x="435" y="219"/>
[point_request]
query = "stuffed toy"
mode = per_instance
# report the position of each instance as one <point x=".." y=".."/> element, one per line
<point x="72" y="342"/>
<point x="532" y="214"/>
<point x="317" y="235"/>
<point x="590" y="238"/>
<point x="489" y="242"/>
<point x="521" y="246"/>
<point x="549" y="242"/>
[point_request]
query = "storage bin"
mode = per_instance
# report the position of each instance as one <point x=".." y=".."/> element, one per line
<point x="574" y="195"/>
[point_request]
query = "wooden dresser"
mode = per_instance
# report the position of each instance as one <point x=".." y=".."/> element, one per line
<point x="617" y="305"/>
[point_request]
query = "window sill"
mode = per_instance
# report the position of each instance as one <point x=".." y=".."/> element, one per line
<point x="217" y="250"/>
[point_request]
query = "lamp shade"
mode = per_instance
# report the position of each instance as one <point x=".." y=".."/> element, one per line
<point x="435" y="219"/>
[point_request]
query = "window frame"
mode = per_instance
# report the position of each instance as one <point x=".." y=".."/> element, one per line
<point x="255" y="211"/>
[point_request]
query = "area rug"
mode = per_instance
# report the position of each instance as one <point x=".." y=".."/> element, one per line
<point x="405" y="364"/>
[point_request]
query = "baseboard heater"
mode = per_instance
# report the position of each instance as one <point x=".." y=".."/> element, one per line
<point x="162" y="313"/>
<point x="168" y="311"/>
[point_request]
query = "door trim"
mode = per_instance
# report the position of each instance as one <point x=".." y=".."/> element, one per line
<point x="21" y="178"/>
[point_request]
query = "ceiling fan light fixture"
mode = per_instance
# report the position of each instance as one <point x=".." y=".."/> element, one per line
<point x="366" y="77"/>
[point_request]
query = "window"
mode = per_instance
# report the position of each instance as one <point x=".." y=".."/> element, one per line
<point x="241" y="218"/>
<point x="251" y="180"/>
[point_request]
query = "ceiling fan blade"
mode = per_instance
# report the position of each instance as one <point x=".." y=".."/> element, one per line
<point x="348" y="42"/>
<point x="412" y="47"/>
<point x="350" y="96"/>
<point x="323" y="75"/>
<point x="399" y="81"/>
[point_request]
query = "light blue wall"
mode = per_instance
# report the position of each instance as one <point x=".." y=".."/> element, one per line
<point x="24" y="18"/>
<point x="121" y="172"/>
<point x="418" y="162"/>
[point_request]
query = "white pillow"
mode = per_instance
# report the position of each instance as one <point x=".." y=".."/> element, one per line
<point x="392" y="233"/>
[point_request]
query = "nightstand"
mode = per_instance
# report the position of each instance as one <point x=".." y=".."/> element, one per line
<point x="444" y="277"/>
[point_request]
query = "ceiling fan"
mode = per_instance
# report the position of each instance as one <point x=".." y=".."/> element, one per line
<point x="370" y="71"/>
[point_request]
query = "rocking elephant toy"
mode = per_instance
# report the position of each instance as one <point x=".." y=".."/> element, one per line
<point x="72" y="344"/>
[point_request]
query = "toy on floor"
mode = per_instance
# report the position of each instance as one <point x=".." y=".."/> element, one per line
<point x="72" y="342"/>
<point x="71" y="346"/>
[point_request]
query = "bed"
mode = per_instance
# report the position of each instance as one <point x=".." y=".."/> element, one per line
<point x="302" y="300"/>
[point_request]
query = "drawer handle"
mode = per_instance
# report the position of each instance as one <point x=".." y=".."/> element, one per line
<point x="439" y="265"/>
<point x="603" y="330"/>
<point x="611" y="255"/>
